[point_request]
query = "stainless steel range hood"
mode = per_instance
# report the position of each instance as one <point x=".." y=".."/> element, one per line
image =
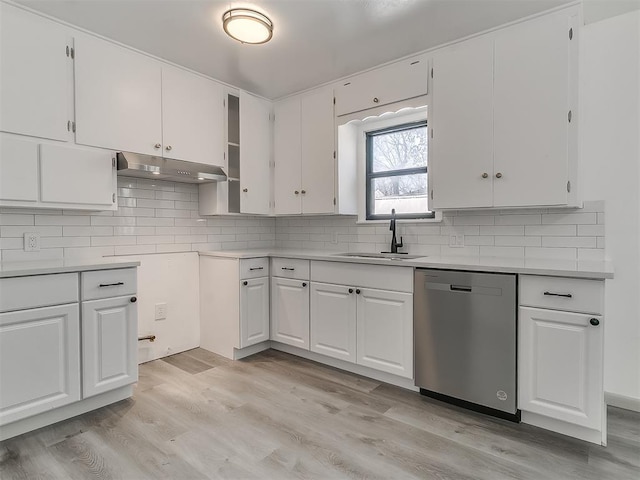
<point x="158" y="168"/>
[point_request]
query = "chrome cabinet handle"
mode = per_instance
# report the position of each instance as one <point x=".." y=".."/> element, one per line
<point x="111" y="284"/>
<point x="551" y="294"/>
<point x="498" y="175"/>
<point x="256" y="268"/>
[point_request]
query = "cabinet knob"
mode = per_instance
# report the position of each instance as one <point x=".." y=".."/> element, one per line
<point x="296" y="192"/>
<point x="157" y="145"/>
<point x="358" y="291"/>
<point x="303" y="191"/>
<point x="351" y="290"/>
<point x="304" y="284"/>
<point x="375" y="100"/>
<point x="168" y="148"/>
<point x="133" y="299"/>
<point x="245" y="190"/>
<point x="485" y="175"/>
<point x="498" y="175"/>
<point x="595" y="322"/>
<point x="245" y="283"/>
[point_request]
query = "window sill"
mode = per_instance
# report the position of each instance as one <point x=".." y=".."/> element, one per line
<point x="437" y="219"/>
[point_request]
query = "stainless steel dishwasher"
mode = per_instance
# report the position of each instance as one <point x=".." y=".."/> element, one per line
<point x="465" y="339"/>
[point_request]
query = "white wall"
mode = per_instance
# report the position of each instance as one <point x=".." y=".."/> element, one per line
<point x="610" y="170"/>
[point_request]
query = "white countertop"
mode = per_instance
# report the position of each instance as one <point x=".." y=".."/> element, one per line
<point x="531" y="266"/>
<point x="45" y="267"/>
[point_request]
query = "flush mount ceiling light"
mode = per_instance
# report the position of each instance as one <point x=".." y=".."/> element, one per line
<point x="247" y="26"/>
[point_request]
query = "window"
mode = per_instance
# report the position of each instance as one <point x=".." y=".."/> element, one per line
<point x="396" y="169"/>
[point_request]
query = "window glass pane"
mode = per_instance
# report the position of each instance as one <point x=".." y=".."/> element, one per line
<point x="398" y="150"/>
<point x="405" y="193"/>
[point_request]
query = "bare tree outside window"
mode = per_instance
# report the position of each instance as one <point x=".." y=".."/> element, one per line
<point x="397" y="172"/>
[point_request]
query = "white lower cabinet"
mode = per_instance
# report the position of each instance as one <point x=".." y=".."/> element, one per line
<point x="561" y="365"/>
<point x="333" y="321"/>
<point x="39" y="361"/>
<point x="290" y="311"/>
<point x="254" y="311"/>
<point x="109" y="339"/>
<point x="385" y="331"/>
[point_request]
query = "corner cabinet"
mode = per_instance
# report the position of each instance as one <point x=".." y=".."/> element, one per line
<point x="511" y="95"/>
<point x="304" y="154"/>
<point x="560" y="329"/>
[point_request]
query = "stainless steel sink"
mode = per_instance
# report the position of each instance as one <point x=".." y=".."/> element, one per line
<point x="382" y="256"/>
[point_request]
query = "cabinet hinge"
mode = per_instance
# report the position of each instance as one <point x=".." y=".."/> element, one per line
<point x="334" y="100"/>
<point x="432" y="133"/>
<point x="113" y="198"/>
<point x="224" y="102"/>
<point x="113" y="162"/>
<point x="73" y="52"/>
<point x="571" y="34"/>
<point x="432" y="73"/>
<point x="73" y="127"/>
<point x="68" y="125"/>
<point x="431" y="194"/>
<point x="334" y="200"/>
<point x="569" y="116"/>
<point x="334" y="154"/>
<point x="224" y="155"/>
<point x="568" y="186"/>
<point x="70" y="52"/>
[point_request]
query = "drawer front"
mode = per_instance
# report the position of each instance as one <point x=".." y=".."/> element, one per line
<point x="254" y="267"/>
<point x="19" y="293"/>
<point x="399" y="279"/>
<point x="108" y="283"/>
<point x="558" y="293"/>
<point x="290" y="268"/>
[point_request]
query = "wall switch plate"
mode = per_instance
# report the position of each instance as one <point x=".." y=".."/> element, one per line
<point x="456" y="240"/>
<point x="161" y="311"/>
<point x="31" y="242"/>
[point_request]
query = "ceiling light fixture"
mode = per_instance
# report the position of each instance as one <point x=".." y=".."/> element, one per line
<point x="247" y="26"/>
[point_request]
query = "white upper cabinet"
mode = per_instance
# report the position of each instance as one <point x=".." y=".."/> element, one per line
<point x="532" y="99"/>
<point x="192" y="117"/>
<point x="304" y="146"/>
<point x="461" y="150"/>
<point x="503" y="119"/>
<point x="118" y="98"/>
<point x="255" y="154"/>
<point x="392" y="83"/>
<point x="35" y="75"/>
<point x="287" y="150"/>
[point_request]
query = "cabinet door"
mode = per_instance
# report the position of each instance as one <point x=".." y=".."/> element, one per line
<point x="39" y="361"/>
<point x="109" y="344"/>
<point x="318" y="148"/>
<point x="333" y="321"/>
<point x="118" y="98"/>
<point x="385" y="331"/>
<point x="254" y="311"/>
<point x="461" y="150"/>
<point x="290" y="312"/>
<point x="287" y="155"/>
<point x="77" y="176"/>
<point x="35" y="75"/>
<point x="255" y="147"/>
<point x="389" y="84"/>
<point x="560" y="366"/>
<point x="532" y="100"/>
<point x="192" y="116"/>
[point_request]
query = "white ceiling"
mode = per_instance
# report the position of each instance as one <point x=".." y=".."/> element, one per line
<point x="314" y="41"/>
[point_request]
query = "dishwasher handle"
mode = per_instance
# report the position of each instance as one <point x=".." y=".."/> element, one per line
<point x="459" y="288"/>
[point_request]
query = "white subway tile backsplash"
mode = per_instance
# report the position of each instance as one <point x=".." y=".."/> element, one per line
<point x="19" y="231"/>
<point x="518" y="219"/>
<point x="15" y="219"/>
<point x="548" y="230"/>
<point x="52" y="242"/>
<point x="591" y="230"/>
<point x="583" y="242"/>
<point x="474" y="220"/>
<point x="113" y="221"/>
<point x="62" y="220"/>
<point x="570" y="218"/>
<point x="517" y="241"/>
<point x="502" y="230"/>
<point x="112" y="241"/>
<point x="510" y="252"/>
<point x="552" y="253"/>
<point x="87" y="231"/>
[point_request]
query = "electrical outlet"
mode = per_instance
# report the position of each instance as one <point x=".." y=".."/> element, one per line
<point x="31" y="242"/>
<point x="334" y="239"/>
<point x="161" y="311"/>
<point x="456" y="240"/>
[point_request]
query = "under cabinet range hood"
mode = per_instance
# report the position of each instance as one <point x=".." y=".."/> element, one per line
<point x="159" y="168"/>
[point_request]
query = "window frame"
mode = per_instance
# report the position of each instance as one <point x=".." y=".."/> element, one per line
<point x="370" y="175"/>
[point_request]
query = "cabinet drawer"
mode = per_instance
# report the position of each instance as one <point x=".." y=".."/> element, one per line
<point x="290" y="268"/>
<point x="399" y="279"/>
<point x="557" y="293"/>
<point x="254" y="268"/>
<point x="108" y="283"/>
<point x="19" y="293"/>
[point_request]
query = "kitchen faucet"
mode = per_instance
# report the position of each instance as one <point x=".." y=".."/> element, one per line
<point x="394" y="243"/>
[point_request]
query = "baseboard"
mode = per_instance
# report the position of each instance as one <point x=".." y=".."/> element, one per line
<point x="239" y="353"/>
<point x="622" y="401"/>
<point x="62" y="413"/>
<point x="576" y="431"/>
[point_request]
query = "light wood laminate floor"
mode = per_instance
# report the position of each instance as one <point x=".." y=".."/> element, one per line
<point x="275" y="416"/>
